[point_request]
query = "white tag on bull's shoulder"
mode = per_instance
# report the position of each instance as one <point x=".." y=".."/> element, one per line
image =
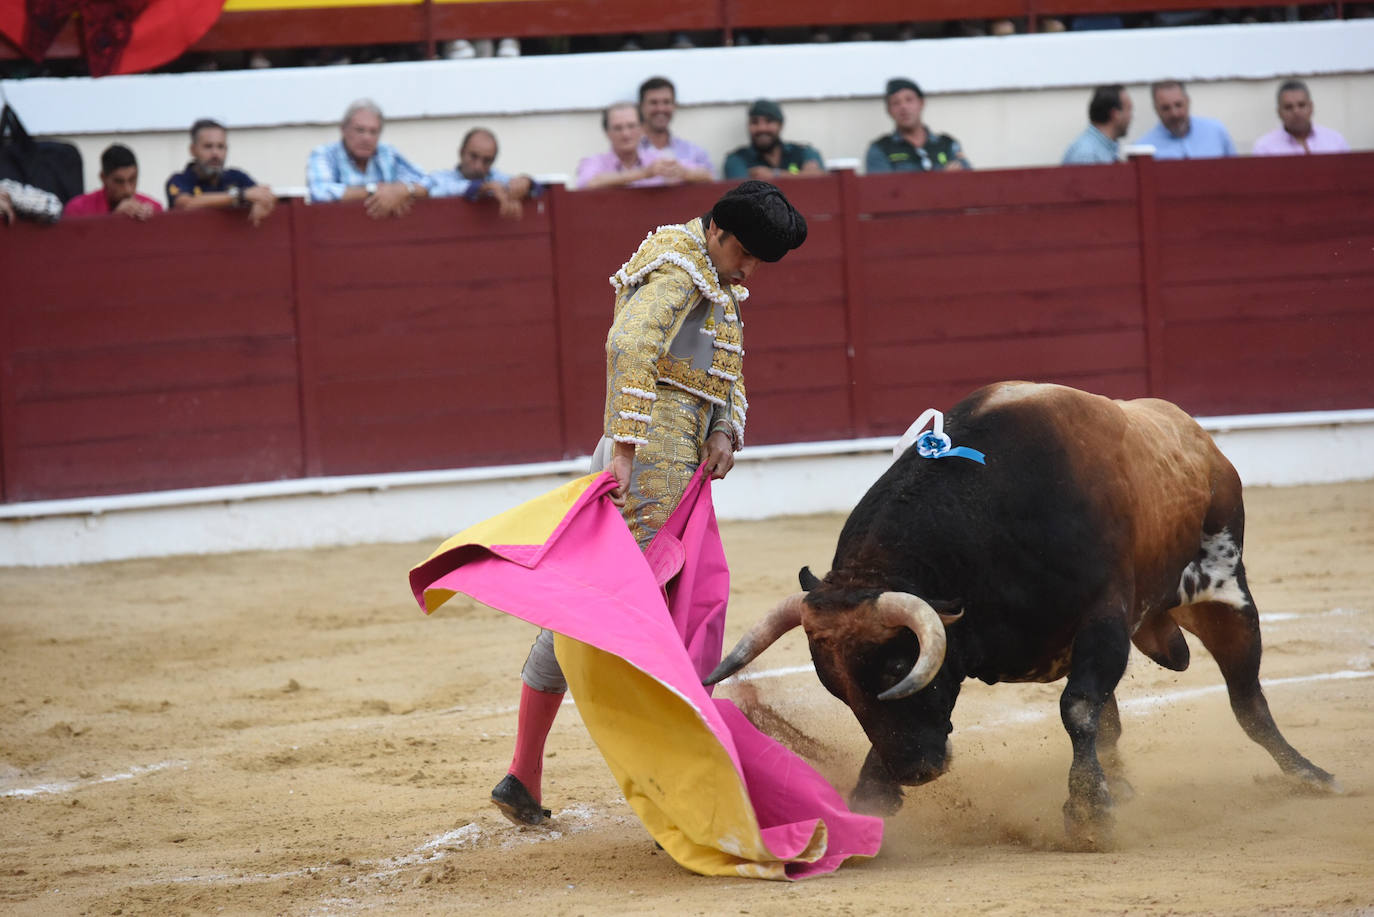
<point x="914" y="431"/>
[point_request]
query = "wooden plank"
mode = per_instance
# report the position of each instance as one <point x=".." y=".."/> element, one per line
<point x="1243" y="366"/>
<point x="793" y="324"/>
<point x="1151" y="274"/>
<point x="397" y="263"/>
<point x="1258" y="175"/>
<point x="1293" y="214"/>
<point x="991" y="359"/>
<point x="796" y="369"/>
<point x="855" y="308"/>
<point x="914" y="316"/>
<point x="443" y="220"/>
<point x="39" y="376"/>
<point x="323" y="27"/>
<point x="1241" y="259"/>
<point x="1042" y="227"/>
<point x="68" y="322"/>
<point x="1245" y="299"/>
<point x="790" y="417"/>
<point x="938" y="275"/>
<point x="756" y="14"/>
<point x="155" y="463"/>
<point x="155" y="414"/>
<point x="909" y="192"/>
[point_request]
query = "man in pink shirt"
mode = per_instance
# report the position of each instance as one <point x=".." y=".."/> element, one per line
<point x="625" y="164"/>
<point x="118" y="191"/>
<point x="1298" y="136"/>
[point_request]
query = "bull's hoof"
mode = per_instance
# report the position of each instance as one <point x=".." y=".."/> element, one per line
<point x="882" y="799"/>
<point x="1088" y="828"/>
<point x="1316" y="781"/>
<point x="1120" y="788"/>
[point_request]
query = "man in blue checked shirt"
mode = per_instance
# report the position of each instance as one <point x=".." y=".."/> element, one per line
<point x="1109" y="118"/>
<point x="359" y="167"/>
<point x="476" y="177"/>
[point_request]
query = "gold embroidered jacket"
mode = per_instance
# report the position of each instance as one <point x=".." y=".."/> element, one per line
<point x="675" y="324"/>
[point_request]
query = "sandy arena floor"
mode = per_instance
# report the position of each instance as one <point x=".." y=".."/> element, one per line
<point x="286" y="733"/>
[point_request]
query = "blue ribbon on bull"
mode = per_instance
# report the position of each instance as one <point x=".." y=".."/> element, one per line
<point x="933" y="443"/>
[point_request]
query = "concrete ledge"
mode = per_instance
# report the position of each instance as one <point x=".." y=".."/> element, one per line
<point x="782" y="480"/>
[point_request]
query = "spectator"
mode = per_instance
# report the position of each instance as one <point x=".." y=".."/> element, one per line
<point x="767" y="155"/>
<point x="205" y="182"/>
<point x="1298" y="135"/>
<point x="118" y="191"/>
<point x="475" y="177"/>
<point x="359" y="167"/>
<point x="624" y="164"/>
<point x="657" y="104"/>
<point x="20" y="200"/>
<point x="912" y="147"/>
<point x="1179" y="135"/>
<point x="1109" y="117"/>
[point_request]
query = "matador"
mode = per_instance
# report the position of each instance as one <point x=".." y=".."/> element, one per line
<point x="675" y="400"/>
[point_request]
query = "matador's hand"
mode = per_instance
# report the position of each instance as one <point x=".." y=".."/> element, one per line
<point x="718" y="455"/>
<point x="622" y="463"/>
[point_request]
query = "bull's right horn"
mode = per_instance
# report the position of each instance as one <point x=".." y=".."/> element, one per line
<point x="901" y="609"/>
<point x="784" y="616"/>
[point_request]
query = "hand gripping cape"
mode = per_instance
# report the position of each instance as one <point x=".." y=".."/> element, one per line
<point x="635" y="634"/>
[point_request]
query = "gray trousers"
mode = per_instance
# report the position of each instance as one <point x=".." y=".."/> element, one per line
<point x="541" y="671"/>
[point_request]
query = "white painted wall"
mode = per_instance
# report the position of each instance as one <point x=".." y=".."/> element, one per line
<point x="794" y="479"/>
<point x="1015" y="101"/>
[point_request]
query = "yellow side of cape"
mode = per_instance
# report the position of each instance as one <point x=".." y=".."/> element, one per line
<point x="531" y="523"/>
<point x="692" y="799"/>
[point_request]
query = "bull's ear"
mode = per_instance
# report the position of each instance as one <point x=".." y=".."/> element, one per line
<point x="808" y="579"/>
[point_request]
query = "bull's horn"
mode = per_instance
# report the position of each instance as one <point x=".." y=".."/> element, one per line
<point x="901" y="609"/>
<point x="784" y="616"/>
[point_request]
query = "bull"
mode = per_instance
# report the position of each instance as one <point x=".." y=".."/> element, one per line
<point x="1091" y="524"/>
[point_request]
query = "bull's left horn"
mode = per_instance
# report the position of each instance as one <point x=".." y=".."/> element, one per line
<point x="784" y="616"/>
<point x="901" y="609"/>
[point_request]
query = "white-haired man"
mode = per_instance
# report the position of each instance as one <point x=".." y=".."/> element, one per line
<point x="358" y="166"/>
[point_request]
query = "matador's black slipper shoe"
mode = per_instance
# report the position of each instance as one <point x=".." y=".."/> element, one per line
<point x="516" y="803"/>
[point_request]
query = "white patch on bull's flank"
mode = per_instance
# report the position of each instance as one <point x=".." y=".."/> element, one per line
<point x="65" y="786"/>
<point x="1217" y="565"/>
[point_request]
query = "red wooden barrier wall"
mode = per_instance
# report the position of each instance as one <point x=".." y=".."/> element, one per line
<point x="194" y="350"/>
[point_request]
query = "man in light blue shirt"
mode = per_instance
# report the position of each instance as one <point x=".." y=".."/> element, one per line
<point x="359" y="167"/>
<point x="476" y="176"/>
<point x="1109" y="117"/>
<point x="1179" y="135"/>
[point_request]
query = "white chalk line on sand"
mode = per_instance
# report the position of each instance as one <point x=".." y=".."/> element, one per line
<point x="788" y="671"/>
<point x="1133" y="705"/>
<point x="66" y="786"/>
<point x="581" y="818"/>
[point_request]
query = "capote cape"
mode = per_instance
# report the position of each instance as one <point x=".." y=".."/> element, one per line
<point x="636" y="633"/>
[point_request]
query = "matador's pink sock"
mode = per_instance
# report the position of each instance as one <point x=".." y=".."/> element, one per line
<point x="537" y="712"/>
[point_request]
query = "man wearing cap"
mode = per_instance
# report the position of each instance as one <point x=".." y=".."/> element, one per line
<point x="674" y="401"/>
<point x="912" y="147"/>
<point x="767" y="155"/>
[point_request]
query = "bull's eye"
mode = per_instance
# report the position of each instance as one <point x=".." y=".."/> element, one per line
<point x="894" y="669"/>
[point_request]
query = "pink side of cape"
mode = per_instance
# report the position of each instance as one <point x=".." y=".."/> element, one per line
<point x="663" y="611"/>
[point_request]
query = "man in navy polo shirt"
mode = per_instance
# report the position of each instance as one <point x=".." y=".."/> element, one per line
<point x="205" y="182"/>
<point x="912" y="147"/>
<point x="767" y="155"/>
